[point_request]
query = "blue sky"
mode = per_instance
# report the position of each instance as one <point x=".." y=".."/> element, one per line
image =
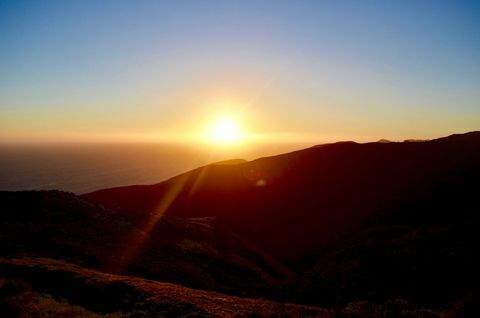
<point x="322" y="69"/>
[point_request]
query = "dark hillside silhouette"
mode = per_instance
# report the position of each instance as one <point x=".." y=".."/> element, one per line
<point x="387" y="229"/>
<point x="200" y="253"/>
<point x="297" y="202"/>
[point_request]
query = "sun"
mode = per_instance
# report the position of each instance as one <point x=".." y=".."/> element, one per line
<point x="225" y="130"/>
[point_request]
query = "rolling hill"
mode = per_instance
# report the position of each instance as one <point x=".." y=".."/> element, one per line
<point x="295" y="203"/>
<point x="386" y="229"/>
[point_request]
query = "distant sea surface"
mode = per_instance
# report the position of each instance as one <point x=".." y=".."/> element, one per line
<point x="81" y="168"/>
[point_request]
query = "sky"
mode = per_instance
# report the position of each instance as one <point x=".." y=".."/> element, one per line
<point x="283" y="70"/>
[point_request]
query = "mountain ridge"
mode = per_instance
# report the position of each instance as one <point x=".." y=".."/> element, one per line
<point x="344" y="229"/>
<point x="257" y="192"/>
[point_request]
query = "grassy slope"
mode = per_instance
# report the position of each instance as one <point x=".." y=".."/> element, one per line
<point x="414" y="251"/>
<point x="70" y="290"/>
<point x="199" y="253"/>
<point x="312" y="197"/>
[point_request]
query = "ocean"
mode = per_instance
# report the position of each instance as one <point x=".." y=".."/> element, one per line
<point x="82" y="168"/>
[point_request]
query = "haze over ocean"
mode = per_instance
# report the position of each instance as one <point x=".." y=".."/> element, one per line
<point x="82" y="168"/>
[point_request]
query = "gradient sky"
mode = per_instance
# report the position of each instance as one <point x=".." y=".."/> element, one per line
<point x="320" y="70"/>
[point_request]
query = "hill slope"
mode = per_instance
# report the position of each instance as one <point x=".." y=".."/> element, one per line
<point x="377" y="230"/>
<point x="295" y="203"/>
<point x="34" y="287"/>
<point x="200" y="253"/>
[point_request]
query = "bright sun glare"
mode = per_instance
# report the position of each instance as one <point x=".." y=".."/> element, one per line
<point x="225" y="130"/>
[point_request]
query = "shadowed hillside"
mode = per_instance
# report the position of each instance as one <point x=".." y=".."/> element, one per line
<point x="200" y="253"/>
<point x="297" y="202"/>
<point x="377" y="230"/>
<point x="32" y="286"/>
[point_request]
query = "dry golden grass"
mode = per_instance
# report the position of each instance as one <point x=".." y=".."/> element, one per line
<point x="52" y="288"/>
